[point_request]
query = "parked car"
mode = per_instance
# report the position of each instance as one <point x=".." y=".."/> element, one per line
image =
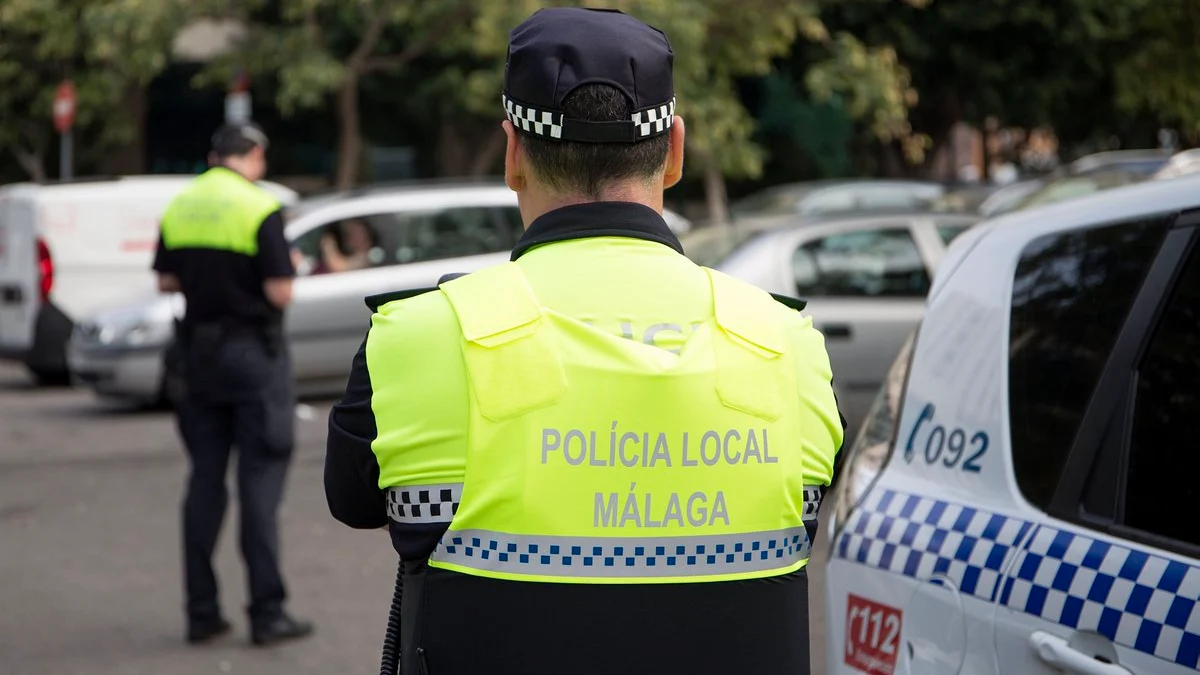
<point x="1019" y="500"/>
<point x="1181" y="163"/>
<point x="70" y="249"/>
<point x="1008" y="197"/>
<point x="1085" y="176"/>
<point x="821" y="197"/>
<point x="1072" y="187"/>
<point x="419" y="232"/>
<point x="1141" y="161"/>
<point x="864" y="279"/>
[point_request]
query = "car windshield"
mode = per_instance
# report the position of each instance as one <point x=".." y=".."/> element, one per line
<point x="874" y="441"/>
<point x="772" y="201"/>
<point x="711" y="246"/>
<point x="1077" y="186"/>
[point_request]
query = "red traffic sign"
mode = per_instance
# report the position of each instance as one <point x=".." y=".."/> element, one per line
<point x="64" y="107"/>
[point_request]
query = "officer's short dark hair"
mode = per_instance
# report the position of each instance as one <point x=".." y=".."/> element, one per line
<point x="236" y="140"/>
<point x="586" y="168"/>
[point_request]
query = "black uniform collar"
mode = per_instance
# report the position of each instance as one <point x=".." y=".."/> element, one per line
<point x="598" y="219"/>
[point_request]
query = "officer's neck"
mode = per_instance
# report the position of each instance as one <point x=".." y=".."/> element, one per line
<point x="536" y="201"/>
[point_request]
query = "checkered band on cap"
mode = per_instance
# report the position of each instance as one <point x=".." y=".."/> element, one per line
<point x="551" y="123"/>
<point x="540" y="122"/>
<point x="656" y="120"/>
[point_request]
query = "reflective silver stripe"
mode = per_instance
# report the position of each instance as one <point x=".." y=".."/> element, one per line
<point x="812" y="501"/>
<point x="424" y="503"/>
<point x="623" y="557"/>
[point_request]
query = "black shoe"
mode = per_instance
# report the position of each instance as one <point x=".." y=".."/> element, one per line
<point x="280" y="629"/>
<point x="206" y="631"/>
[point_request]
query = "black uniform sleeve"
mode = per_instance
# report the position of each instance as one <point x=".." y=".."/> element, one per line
<point x="351" y="469"/>
<point x="840" y="457"/>
<point x="274" y="257"/>
<point x="165" y="261"/>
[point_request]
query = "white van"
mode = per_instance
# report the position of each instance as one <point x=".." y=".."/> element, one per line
<point x="70" y="249"/>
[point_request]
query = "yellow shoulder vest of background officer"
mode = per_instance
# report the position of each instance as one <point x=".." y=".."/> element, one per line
<point x="219" y="210"/>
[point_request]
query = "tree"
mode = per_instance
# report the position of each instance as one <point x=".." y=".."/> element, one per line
<point x="1159" y="74"/>
<point x="1025" y="62"/>
<point x="319" y="48"/>
<point x="715" y="42"/>
<point x="107" y="48"/>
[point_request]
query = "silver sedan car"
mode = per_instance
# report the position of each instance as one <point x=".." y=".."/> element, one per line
<point x="864" y="279"/>
<point x="346" y="246"/>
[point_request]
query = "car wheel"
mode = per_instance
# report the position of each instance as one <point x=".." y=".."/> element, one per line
<point x="50" y="378"/>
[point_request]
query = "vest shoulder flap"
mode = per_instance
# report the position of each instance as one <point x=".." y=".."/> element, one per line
<point x="374" y="302"/>
<point x="744" y="310"/>
<point x="499" y="317"/>
<point x="492" y="302"/>
<point x="790" y="302"/>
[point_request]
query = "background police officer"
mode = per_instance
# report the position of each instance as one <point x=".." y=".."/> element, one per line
<point x="600" y="457"/>
<point x="222" y="246"/>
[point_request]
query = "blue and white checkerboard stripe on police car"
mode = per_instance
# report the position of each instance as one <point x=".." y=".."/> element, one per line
<point x="918" y="537"/>
<point x="1136" y="598"/>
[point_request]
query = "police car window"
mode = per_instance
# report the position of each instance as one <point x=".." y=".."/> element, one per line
<point x="1164" y="454"/>
<point x="1071" y="293"/>
<point x="448" y="233"/>
<point x="868" y="263"/>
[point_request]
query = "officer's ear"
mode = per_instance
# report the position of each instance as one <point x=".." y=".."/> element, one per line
<point x="514" y="172"/>
<point x="674" y="171"/>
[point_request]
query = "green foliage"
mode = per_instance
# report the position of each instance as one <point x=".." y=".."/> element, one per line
<point x="313" y="46"/>
<point x="1026" y="62"/>
<point x="716" y="42"/>
<point x="1160" y="75"/>
<point x="105" y="46"/>
<point x="822" y="130"/>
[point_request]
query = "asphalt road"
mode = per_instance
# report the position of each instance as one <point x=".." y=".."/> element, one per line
<point x="90" y="571"/>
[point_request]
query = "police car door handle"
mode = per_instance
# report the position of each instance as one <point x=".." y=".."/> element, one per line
<point x="1057" y="652"/>
<point x="837" y="330"/>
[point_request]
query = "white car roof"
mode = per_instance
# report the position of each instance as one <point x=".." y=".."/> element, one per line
<point x="324" y="208"/>
<point x="413" y="196"/>
<point x="119" y="186"/>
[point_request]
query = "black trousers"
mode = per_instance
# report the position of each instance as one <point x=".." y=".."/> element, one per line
<point x="237" y="393"/>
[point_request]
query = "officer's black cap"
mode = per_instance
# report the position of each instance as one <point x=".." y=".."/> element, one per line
<point x="558" y="49"/>
<point x="235" y="140"/>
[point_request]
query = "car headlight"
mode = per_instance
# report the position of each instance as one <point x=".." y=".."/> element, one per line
<point x="138" y="334"/>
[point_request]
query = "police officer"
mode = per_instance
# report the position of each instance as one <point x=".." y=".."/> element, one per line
<point x="222" y="246"/>
<point x="599" y="457"/>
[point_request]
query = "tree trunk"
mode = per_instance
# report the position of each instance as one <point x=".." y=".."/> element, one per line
<point x="350" y="138"/>
<point x="452" y="150"/>
<point x="33" y="163"/>
<point x="129" y="159"/>
<point x="489" y="154"/>
<point x="714" y="193"/>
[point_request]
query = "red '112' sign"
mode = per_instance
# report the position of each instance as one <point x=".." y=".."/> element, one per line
<point x="872" y="636"/>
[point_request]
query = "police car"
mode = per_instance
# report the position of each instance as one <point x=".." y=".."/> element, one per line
<point x="1022" y="499"/>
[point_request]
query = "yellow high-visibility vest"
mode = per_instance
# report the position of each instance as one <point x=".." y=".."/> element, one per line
<point x="591" y="458"/>
<point x="218" y="210"/>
